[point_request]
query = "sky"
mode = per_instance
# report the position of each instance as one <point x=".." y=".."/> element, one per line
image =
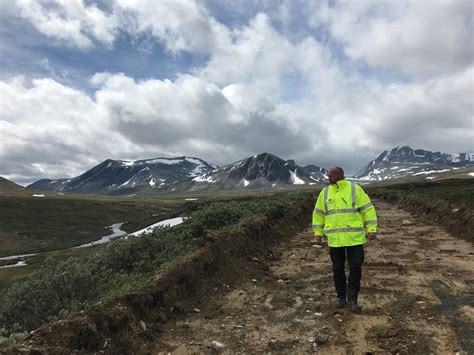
<point x="322" y="82"/>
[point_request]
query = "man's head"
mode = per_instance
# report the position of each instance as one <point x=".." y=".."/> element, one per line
<point x="335" y="174"/>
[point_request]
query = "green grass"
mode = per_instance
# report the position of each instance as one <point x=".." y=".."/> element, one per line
<point x="455" y="191"/>
<point x="30" y="225"/>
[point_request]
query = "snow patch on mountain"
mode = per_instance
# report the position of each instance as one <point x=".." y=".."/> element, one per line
<point x="295" y="180"/>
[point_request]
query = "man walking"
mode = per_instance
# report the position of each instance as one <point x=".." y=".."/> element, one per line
<point x="343" y="214"/>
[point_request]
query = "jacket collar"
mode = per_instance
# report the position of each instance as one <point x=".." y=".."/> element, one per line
<point x="339" y="183"/>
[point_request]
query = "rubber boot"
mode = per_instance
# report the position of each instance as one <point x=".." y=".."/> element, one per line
<point x="353" y="305"/>
<point x="341" y="303"/>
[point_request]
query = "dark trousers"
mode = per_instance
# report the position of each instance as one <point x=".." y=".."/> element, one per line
<point x="355" y="258"/>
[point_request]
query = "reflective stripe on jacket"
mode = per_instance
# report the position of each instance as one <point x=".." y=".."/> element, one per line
<point x="344" y="213"/>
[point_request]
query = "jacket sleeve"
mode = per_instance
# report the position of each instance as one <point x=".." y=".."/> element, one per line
<point x="367" y="209"/>
<point x="318" y="215"/>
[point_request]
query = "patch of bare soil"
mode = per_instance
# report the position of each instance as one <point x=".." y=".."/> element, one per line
<point x="417" y="298"/>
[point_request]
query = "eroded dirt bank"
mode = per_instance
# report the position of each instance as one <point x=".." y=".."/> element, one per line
<point x="417" y="298"/>
<point x="275" y="294"/>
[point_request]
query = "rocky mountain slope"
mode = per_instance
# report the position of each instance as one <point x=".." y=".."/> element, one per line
<point x="404" y="161"/>
<point x="119" y="177"/>
<point x="260" y="171"/>
<point x="130" y="176"/>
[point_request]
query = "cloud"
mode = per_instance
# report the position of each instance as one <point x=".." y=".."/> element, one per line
<point x="179" y="25"/>
<point x="166" y="114"/>
<point x="51" y="130"/>
<point x="418" y="38"/>
<point x="258" y="90"/>
<point x="257" y="51"/>
<point x="71" y="21"/>
<point x="429" y="113"/>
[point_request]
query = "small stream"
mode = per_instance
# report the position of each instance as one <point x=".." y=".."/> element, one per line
<point x="116" y="233"/>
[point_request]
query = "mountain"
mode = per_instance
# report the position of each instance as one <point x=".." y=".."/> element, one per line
<point x="259" y="171"/>
<point x="118" y="177"/>
<point x="9" y="187"/>
<point x="404" y="161"/>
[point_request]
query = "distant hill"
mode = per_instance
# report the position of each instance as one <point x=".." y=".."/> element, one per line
<point x="9" y="187"/>
<point x="403" y="161"/>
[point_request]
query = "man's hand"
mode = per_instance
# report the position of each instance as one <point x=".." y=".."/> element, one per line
<point x="371" y="236"/>
<point x="319" y="240"/>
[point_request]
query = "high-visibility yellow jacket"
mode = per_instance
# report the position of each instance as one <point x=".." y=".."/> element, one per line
<point x="344" y="213"/>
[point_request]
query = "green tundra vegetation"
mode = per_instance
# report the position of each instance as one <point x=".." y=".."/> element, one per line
<point x="457" y="192"/>
<point x="61" y="285"/>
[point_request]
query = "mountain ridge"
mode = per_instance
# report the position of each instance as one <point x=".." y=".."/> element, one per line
<point x="264" y="170"/>
<point x="403" y="161"/>
<point x="183" y="173"/>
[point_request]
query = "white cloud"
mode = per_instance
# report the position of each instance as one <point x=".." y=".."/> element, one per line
<point x="51" y="130"/>
<point x="181" y="25"/>
<point x="257" y="52"/>
<point x="419" y="38"/>
<point x="167" y="114"/>
<point x="70" y="21"/>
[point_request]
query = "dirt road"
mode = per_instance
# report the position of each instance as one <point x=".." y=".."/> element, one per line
<point x="417" y="298"/>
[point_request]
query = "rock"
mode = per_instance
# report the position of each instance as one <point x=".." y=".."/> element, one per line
<point x="318" y="314"/>
<point x="311" y="339"/>
<point x="407" y="222"/>
<point x="254" y="280"/>
<point x="143" y="325"/>
<point x="217" y="344"/>
<point x="197" y="310"/>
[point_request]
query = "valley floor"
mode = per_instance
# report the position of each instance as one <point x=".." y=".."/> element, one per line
<point x="417" y="297"/>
